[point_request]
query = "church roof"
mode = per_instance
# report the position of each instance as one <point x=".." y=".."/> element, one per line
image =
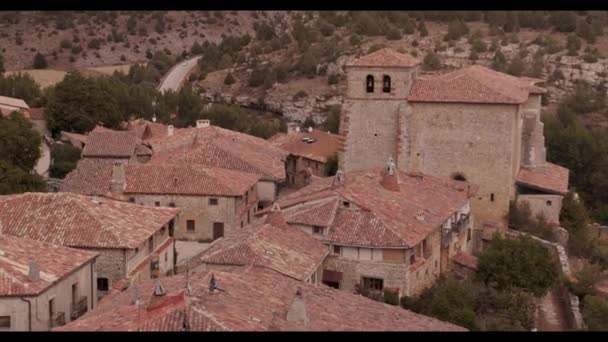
<point x="385" y="58"/>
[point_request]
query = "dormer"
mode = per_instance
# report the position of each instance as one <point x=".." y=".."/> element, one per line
<point x="381" y="74"/>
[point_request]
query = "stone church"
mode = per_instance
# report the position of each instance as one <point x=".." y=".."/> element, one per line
<point x="472" y="124"/>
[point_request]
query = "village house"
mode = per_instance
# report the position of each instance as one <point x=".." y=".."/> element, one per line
<point x="134" y="241"/>
<point x="270" y="243"/>
<point x="104" y="143"/>
<point x="309" y="152"/>
<point x="249" y="299"/>
<point x="473" y="124"/>
<point x="213" y="201"/>
<point x="36" y="118"/>
<point x="387" y="230"/>
<point x="43" y="285"/>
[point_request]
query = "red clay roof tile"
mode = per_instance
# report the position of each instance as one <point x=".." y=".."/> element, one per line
<point x="549" y="177"/>
<point x="385" y="58"/>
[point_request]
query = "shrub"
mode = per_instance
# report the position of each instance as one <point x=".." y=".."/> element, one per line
<point x="94" y="43"/>
<point x="354" y="40"/>
<point x="257" y="78"/>
<point x="65" y="44"/>
<point x="432" y="61"/>
<point x="39" y="61"/>
<point x="332" y="79"/>
<point x="300" y="95"/>
<point x="393" y="34"/>
<point x="595" y="312"/>
<point x="229" y="80"/>
<point x="573" y="44"/>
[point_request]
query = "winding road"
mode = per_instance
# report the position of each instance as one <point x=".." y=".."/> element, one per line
<point x="176" y="77"/>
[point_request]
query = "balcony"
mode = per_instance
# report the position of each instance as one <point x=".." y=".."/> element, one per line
<point x="79" y="308"/>
<point x="461" y="224"/>
<point x="57" y="319"/>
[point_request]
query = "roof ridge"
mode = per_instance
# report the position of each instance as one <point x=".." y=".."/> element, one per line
<point x="104" y="229"/>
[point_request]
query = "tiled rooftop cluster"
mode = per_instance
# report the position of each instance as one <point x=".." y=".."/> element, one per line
<point x="251" y="299"/>
<point x="324" y="146"/>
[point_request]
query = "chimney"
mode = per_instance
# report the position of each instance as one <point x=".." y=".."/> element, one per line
<point x="339" y="179"/>
<point x="34" y="271"/>
<point x="297" y="309"/>
<point x="390" y="179"/>
<point x="309" y="129"/>
<point x="298" y="129"/>
<point x="119" y="178"/>
<point x="275" y="217"/>
<point x="159" y="291"/>
<point x="420" y="216"/>
<point x="202" y="123"/>
<point x="170" y="130"/>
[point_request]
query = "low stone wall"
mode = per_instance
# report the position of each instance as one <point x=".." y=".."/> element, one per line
<point x="569" y="301"/>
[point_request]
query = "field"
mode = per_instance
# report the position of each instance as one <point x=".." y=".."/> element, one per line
<point x="44" y="78"/>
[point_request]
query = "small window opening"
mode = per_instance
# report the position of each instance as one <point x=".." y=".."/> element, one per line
<point x="491" y="197"/>
<point x="549" y="203"/>
<point x="370" y="83"/>
<point x="386" y="84"/>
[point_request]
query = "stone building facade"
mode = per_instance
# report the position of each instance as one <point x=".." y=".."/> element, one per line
<point x="43" y="285"/>
<point x="473" y="124"/>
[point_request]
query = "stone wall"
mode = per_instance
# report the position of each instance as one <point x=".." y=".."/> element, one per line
<point x="267" y="191"/>
<point x="111" y="264"/>
<point x="476" y="141"/>
<point x="548" y="205"/>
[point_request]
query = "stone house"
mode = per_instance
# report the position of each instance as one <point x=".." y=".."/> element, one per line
<point x="213" y="201"/>
<point x="126" y="146"/>
<point x="246" y="299"/>
<point x="211" y="146"/>
<point x="269" y="243"/>
<point x="309" y="152"/>
<point x="134" y="241"/>
<point x="387" y="230"/>
<point x="44" y="285"/>
<point x="471" y="124"/>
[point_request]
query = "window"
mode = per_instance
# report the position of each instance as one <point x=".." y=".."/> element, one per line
<point x="218" y="230"/>
<point x="102" y="284"/>
<point x="370" y="83"/>
<point x="5" y="322"/>
<point x="468" y="235"/>
<point x="172" y="204"/>
<point x="346" y="204"/>
<point x="241" y="224"/>
<point x="132" y="199"/>
<point x="549" y="203"/>
<point x="171" y="227"/>
<point x="337" y="250"/>
<point x="190" y="225"/>
<point x="166" y="257"/>
<point x="412" y="259"/>
<point x="162" y="230"/>
<point x="157" y="204"/>
<point x="151" y="244"/>
<point x="459" y="177"/>
<point x="386" y="84"/>
<point x="372" y="283"/>
<point x="491" y="197"/>
<point x="213" y="201"/>
<point x="317" y="230"/>
<point x="74" y="293"/>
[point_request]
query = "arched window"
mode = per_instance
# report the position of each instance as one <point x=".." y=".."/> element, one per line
<point x="370" y="83"/>
<point x="386" y="84"/>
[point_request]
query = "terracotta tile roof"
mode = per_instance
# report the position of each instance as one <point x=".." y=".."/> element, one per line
<point x="325" y="145"/>
<point x="54" y="263"/>
<point x="385" y="58"/>
<point x="314" y="213"/>
<point x="276" y="246"/>
<point x="254" y="299"/>
<point x="466" y="260"/>
<point x="474" y="84"/>
<point x="153" y="256"/>
<point x="217" y="147"/>
<point x="13" y="102"/>
<point x="550" y="177"/>
<point x="391" y="214"/>
<point x="80" y="221"/>
<point x="187" y="180"/>
<point x="110" y="144"/>
<point x="93" y="177"/>
<point x="146" y="129"/>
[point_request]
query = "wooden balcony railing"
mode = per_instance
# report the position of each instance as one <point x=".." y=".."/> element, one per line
<point x="57" y="319"/>
<point x="79" y="308"/>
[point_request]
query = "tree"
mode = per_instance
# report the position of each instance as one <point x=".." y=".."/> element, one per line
<point x="39" y="61"/>
<point x="229" y="80"/>
<point x="456" y="29"/>
<point x="309" y="122"/>
<point x="332" y="120"/>
<point x="573" y="44"/>
<point x="563" y="21"/>
<point x="190" y="107"/>
<point x="521" y="263"/>
<point x="516" y="67"/>
<point x="585" y="31"/>
<point x="499" y="62"/>
<point x="1" y="64"/>
<point x="65" y="158"/>
<point x="331" y="166"/>
<point x="22" y="86"/>
<point x="14" y="180"/>
<point x="19" y="142"/>
<point x="595" y="312"/>
<point x="132" y="25"/>
<point x="422" y="29"/>
<point x="432" y="61"/>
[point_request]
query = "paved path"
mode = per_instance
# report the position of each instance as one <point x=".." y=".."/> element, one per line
<point x="551" y="316"/>
<point x="176" y="77"/>
<point x="188" y="249"/>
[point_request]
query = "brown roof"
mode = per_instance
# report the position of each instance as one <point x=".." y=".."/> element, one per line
<point x="377" y="216"/>
<point x="279" y="247"/>
<point x="146" y="129"/>
<point x="80" y="221"/>
<point x="550" y="177"/>
<point x="54" y="263"/>
<point x="107" y="143"/>
<point x="473" y="84"/>
<point x="467" y="260"/>
<point x="217" y="147"/>
<point x="36" y="113"/>
<point x="93" y="176"/>
<point x="251" y="299"/>
<point x="324" y="146"/>
<point x="385" y="58"/>
<point x="187" y="180"/>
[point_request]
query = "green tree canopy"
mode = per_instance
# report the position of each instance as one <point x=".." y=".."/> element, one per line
<point x="520" y="263"/>
<point x="21" y="86"/>
<point x="19" y="142"/>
